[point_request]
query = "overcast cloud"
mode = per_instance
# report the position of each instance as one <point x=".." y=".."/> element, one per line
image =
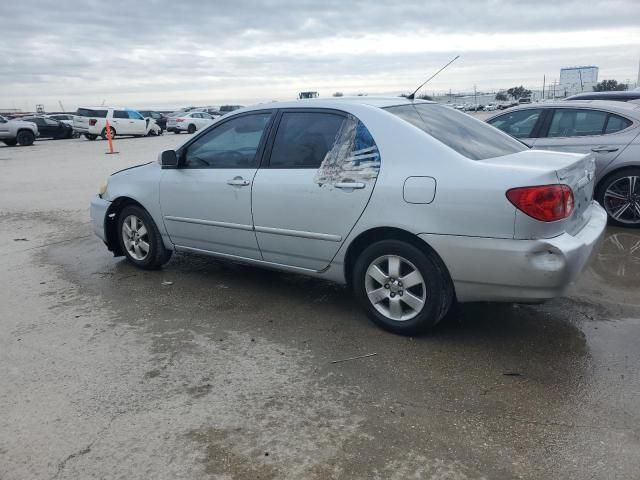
<point x="171" y="53"/>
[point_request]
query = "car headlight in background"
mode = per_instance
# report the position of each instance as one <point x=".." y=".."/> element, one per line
<point x="103" y="187"/>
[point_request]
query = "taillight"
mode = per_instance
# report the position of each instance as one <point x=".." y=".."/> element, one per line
<point x="179" y="119"/>
<point x="547" y="203"/>
<point x="92" y="121"/>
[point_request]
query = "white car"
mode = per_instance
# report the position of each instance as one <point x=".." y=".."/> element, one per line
<point x="189" y="122"/>
<point x="92" y="122"/>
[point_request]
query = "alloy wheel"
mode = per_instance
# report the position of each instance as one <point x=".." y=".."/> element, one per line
<point x="135" y="237"/>
<point x="395" y="287"/>
<point x="622" y="200"/>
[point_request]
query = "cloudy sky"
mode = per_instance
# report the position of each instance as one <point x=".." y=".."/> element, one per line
<point x="164" y="54"/>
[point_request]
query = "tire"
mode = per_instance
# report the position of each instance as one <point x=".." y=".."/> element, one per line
<point x="156" y="254"/>
<point x="177" y="131"/>
<point x="402" y="309"/>
<point x="90" y="136"/>
<point x="25" y="138"/>
<point x="191" y="129"/>
<point x="104" y="132"/>
<point x="11" y="143"/>
<point x="619" y="195"/>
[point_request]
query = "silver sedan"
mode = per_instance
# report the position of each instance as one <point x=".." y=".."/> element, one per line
<point x="610" y="130"/>
<point x="412" y="204"/>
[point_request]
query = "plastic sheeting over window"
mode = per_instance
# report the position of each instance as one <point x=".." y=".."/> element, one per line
<point x="353" y="157"/>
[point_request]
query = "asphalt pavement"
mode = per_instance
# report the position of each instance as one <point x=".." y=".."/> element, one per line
<point x="209" y="369"/>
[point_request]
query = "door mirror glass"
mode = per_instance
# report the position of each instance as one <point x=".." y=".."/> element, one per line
<point x="169" y="159"/>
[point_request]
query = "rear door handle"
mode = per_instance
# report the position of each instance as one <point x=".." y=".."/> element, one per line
<point x="238" y="182"/>
<point x="604" y="149"/>
<point x="350" y="185"/>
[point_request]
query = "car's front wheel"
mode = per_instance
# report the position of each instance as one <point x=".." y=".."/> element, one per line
<point x="402" y="288"/>
<point x="619" y="194"/>
<point x="104" y="132"/>
<point x="191" y="128"/>
<point x="25" y="138"/>
<point x="140" y="239"/>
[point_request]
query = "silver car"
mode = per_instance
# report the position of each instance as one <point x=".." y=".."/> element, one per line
<point x="412" y="204"/>
<point x="611" y="130"/>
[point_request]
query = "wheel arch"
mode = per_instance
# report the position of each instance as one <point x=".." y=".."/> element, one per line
<point x="368" y="237"/>
<point x="111" y="222"/>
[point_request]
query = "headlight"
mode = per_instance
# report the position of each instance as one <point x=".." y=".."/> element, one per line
<point x="103" y="187"/>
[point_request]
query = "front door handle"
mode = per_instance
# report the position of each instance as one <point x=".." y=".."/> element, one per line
<point x="238" y="182"/>
<point x="604" y="149"/>
<point x="350" y="185"/>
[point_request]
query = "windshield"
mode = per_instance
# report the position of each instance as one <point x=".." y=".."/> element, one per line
<point x="467" y="136"/>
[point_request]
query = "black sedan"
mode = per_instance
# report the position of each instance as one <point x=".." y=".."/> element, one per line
<point x="50" y="128"/>
<point x="160" y="119"/>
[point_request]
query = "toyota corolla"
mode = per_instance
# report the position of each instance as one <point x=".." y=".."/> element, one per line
<point x="412" y="204"/>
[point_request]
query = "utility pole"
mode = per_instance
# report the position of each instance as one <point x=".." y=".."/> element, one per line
<point x="475" y="94"/>
<point x="544" y="79"/>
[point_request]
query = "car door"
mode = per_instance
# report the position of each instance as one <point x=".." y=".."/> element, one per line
<point x="4" y="128"/>
<point x="585" y="130"/>
<point x="54" y="127"/>
<point x="206" y="202"/>
<point x="43" y="129"/>
<point x="522" y="124"/>
<point x="120" y="121"/>
<point x="137" y="123"/>
<point x="319" y="176"/>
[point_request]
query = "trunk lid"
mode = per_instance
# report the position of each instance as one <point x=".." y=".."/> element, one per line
<point x="572" y="169"/>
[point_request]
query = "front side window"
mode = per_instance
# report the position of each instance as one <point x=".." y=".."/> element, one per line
<point x="120" y="114"/>
<point x="519" y="123"/>
<point x="51" y="123"/>
<point x="133" y="115"/>
<point x="568" y="122"/>
<point x="615" y="123"/>
<point x="233" y="144"/>
<point x="469" y="137"/>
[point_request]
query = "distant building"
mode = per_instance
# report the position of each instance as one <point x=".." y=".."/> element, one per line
<point x="577" y="79"/>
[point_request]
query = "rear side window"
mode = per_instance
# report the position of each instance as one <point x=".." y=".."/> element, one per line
<point x="568" y="122"/>
<point x="304" y="138"/>
<point x="519" y="123"/>
<point x="616" y="123"/>
<point x="120" y="114"/>
<point x="469" y="137"/>
<point x="87" y="112"/>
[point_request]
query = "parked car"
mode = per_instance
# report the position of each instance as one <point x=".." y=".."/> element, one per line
<point x="17" y="132"/>
<point x="92" y="122"/>
<point x="609" y="130"/>
<point x="524" y="100"/>
<point x="345" y="189"/>
<point x="224" y="109"/>
<point x="50" y="128"/>
<point x="159" y="118"/>
<point x="188" y="122"/>
<point x="623" y="96"/>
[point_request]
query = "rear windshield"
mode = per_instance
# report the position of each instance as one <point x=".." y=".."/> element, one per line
<point x="467" y="136"/>
<point x="87" y="112"/>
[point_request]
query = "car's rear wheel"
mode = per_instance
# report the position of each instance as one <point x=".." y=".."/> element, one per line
<point x="11" y="143"/>
<point x="104" y="132"/>
<point x="25" y="138"/>
<point x="90" y="136"/>
<point x="402" y="288"/>
<point x="619" y="194"/>
<point x="191" y="128"/>
<point x="140" y="239"/>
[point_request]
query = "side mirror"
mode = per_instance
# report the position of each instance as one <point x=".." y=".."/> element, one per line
<point x="169" y="159"/>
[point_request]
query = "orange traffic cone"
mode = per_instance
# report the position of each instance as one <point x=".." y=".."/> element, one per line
<point x="109" y="139"/>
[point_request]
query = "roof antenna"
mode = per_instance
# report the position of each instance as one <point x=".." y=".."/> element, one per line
<point x="413" y="95"/>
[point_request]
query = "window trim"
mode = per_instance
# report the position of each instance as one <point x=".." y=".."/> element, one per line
<point x="181" y="152"/>
<point x="604" y="127"/>
<point x="266" y="159"/>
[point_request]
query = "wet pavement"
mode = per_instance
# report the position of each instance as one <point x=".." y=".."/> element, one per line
<point x="208" y="369"/>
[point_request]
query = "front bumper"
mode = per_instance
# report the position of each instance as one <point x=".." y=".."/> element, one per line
<point x="99" y="209"/>
<point x="507" y="270"/>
